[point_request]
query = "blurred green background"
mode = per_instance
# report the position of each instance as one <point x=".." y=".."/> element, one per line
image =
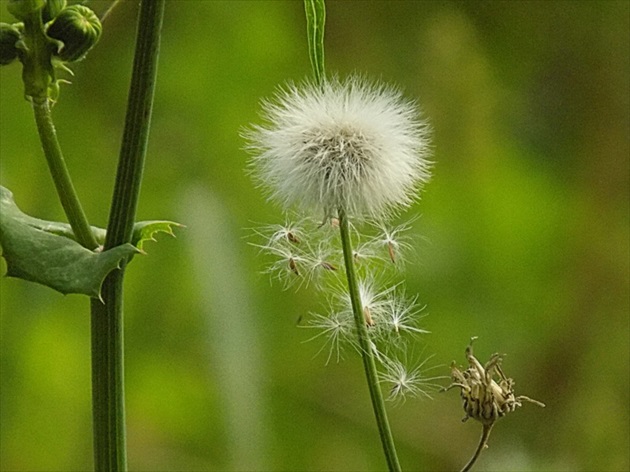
<point x="523" y="241"/>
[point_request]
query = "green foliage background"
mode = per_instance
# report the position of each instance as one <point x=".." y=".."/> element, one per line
<point x="523" y="241"/>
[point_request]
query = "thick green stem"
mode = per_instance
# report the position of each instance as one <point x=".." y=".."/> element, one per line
<point x="137" y="122"/>
<point x="108" y="403"/>
<point x="61" y="176"/>
<point x="108" y="399"/>
<point x="367" y="351"/>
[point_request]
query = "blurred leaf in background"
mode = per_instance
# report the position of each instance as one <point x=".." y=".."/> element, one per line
<point x="523" y="241"/>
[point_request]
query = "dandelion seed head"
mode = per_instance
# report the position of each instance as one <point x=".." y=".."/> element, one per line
<point x="348" y="144"/>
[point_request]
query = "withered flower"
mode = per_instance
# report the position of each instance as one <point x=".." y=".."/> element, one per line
<point x="487" y="394"/>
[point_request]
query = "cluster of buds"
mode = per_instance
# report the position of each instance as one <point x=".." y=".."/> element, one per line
<point x="48" y="34"/>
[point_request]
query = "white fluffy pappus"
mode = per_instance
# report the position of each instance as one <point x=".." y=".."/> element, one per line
<point x="352" y="144"/>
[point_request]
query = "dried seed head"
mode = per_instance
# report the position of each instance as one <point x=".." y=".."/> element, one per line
<point x="487" y="394"/>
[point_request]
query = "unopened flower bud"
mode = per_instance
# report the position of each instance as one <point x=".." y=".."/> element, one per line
<point x="78" y="28"/>
<point x="23" y="9"/>
<point x="52" y="9"/>
<point x="9" y="35"/>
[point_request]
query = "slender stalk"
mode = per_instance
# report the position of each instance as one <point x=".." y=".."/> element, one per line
<point x="315" y="22"/>
<point x="483" y="442"/>
<point x="61" y="177"/>
<point x="109" y="10"/>
<point x="108" y="403"/>
<point x="367" y="352"/>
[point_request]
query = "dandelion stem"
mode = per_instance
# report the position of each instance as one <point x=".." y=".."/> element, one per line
<point x="483" y="442"/>
<point x="367" y="353"/>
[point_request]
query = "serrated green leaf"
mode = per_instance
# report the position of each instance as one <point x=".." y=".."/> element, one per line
<point x="42" y="252"/>
<point x="53" y="227"/>
<point x="145" y="231"/>
<point x="142" y="231"/>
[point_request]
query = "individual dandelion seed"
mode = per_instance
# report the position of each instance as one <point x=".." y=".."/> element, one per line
<point x="408" y="382"/>
<point x="291" y="246"/>
<point x="487" y="394"/>
<point x="393" y="240"/>
<point x="289" y="263"/>
<point x="285" y="243"/>
<point x="321" y="261"/>
<point x="289" y="232"/>
<point x="364" y="253"/>
<point x="336" y="328"/>
<point x="351" y="144"/>
<point x="374" y="303"/>
<point x="402" y="315"/>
